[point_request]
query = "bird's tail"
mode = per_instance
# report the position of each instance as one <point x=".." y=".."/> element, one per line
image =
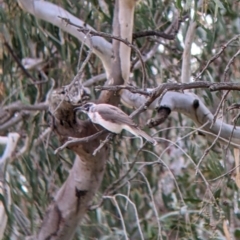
<point x="140" y="133"/>
<point x="146" y="136"/>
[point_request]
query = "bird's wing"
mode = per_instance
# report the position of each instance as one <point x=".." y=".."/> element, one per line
<point x="115" y="115"/>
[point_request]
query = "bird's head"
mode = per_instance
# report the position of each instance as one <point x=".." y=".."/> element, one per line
<point x="85" y="108"/>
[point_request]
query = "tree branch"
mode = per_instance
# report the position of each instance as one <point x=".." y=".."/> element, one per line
<point x="190" y="105"/>
<point x="51" y="12"/>
<point x="186" y="62"/>
<point x="173" y="86"/>
<point x="120" y="68"/>
<point x="217" y="55"/>
<point x="171" y="30"/>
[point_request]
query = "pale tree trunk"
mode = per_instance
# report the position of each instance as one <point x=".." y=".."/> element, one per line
<point x="120" y="64"/>
<point x="73" y="199"/>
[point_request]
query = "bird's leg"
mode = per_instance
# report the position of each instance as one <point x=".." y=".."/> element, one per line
<point x="141" y="139"/>
<point x="111" y="136"/>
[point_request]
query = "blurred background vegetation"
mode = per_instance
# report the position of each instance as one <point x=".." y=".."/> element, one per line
<point x="166" y="196"/>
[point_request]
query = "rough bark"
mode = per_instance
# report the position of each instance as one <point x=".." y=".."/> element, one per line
<point x="75" y="196"/>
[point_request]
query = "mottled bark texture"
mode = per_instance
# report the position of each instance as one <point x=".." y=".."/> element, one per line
<point x="75" y="196"/>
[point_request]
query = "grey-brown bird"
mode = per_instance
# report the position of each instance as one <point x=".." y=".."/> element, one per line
<point x="113" y="119"/>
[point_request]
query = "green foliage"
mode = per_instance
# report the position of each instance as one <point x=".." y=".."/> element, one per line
<point x="172" y="192"/>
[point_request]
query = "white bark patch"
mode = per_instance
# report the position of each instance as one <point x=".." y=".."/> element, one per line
<point x="126" y="15"/>
<point x="183" y="103"/>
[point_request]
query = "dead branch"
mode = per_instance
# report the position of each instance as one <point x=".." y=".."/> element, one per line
<point x="158" y="91"/>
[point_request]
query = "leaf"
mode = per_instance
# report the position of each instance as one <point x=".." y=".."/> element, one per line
<point x="219" y="4"/>
<point x="237" y="233"/>
<point x="187" y="5"/>
<point x="23" y="98"/>
<point x="178" y="4"/>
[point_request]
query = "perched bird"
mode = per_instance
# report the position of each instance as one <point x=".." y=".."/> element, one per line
<point x="113" y="119"/>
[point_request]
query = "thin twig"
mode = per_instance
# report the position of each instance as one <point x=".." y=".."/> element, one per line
<point x="200" y="173"/>
<point x="33" y="80"/>
<point x="173" y="29"/>
<point x="114" y="186"/>
<point x="229" y="63"/>
<point x="148" y="33"/>
<point x="218" y="108"/>
<point x="208" y="149"/>
<point x="120" y="87"/>
<point x="154" y="205"/>
<point x="135" y="210"/>
<point x="223" y="175"/>
<point x="80" y="71"/>
<point x="234" y="127"/>
<point x="121" y="217"/>
<point x="103" y="143"/>
<point x="106" y="35"/>
<point x="79" y="140"/>
<point x="224" y="86"/>
<point x="175" y="86"/>
<point x="67" y="88"/>
<point x="14" y="120"/>
<point x="217" y="55"/>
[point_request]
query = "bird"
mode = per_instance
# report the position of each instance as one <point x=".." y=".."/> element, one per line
<point x="113" y="119"/>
